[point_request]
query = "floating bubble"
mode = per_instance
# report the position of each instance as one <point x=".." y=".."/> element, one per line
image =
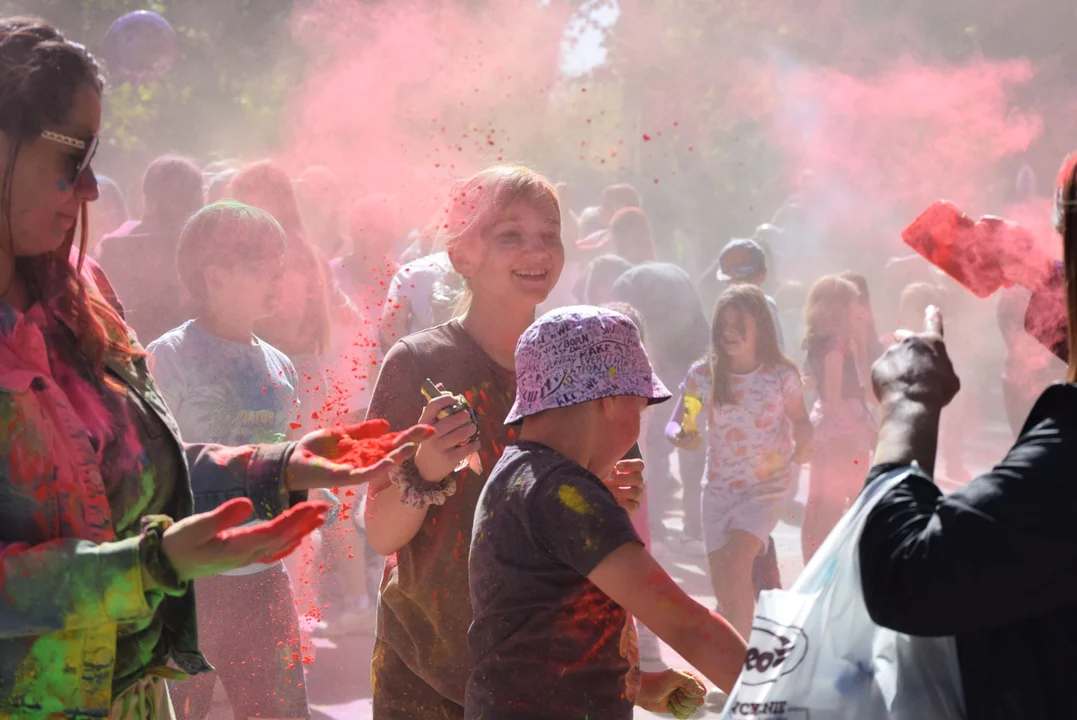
<point x="140" y="46"/>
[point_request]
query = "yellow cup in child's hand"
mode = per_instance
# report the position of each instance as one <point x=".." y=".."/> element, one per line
<point x="693" y="405"/>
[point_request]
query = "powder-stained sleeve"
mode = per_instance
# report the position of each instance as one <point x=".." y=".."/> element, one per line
<point x="220" y="473"/>
<point x="577" y="520"/>
<point x="59" y="584"/>
<point x="70" y="584"/>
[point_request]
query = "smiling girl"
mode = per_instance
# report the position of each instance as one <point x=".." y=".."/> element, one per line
<point x="502" y="230"/>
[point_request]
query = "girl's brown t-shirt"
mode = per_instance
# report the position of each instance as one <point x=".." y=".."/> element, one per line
<point x="424" y="609"/>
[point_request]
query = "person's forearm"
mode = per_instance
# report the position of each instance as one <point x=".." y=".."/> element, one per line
<point x="390" y="524"/>
<point x="710" y="644"/>
<point x="909" y="432"/>
<point x="803" y="432"/>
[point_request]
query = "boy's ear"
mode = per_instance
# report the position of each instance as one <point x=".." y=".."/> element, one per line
<point x="213" y="276"/>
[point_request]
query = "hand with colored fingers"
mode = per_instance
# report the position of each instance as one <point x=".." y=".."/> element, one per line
<point x="455" y="438"/>
<point x="674" y="691"/>
<point x="626" y="484"/>
<point x="351" y="455"/>
<point x="213" y="542"/>
<point x="917" y="368"/>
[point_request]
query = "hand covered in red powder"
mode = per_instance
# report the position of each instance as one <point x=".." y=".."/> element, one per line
<point x="674" y="691"/>
<point x="626" y="484"/>
<point x="351" y="455"/>
<point x="211" y="543"/>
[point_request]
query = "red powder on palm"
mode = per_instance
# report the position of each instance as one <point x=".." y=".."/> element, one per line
<point x="367" y="451"/>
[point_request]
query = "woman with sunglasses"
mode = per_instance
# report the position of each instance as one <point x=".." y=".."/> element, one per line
<point x="95" y="576"/>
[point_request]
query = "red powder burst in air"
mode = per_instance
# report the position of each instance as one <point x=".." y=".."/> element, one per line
<point x="471" y="72"/>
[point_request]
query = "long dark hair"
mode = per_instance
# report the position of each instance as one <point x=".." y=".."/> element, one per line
<point x="1066" y="223"/>
<point x="872" y="343"/>
<point x="751" y="301"/>
<point x="40" y="73"/>
<point x="266" y="186"/>
<point x="827" y="312"/>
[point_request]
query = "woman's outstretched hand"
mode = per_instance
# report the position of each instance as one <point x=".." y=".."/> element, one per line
<point x="217" y="541"/>
<point x="337" y="457"/>
<point x="917" y="368"/>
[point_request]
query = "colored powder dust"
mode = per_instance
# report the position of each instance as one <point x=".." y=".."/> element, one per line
<point x="572" y="499"/>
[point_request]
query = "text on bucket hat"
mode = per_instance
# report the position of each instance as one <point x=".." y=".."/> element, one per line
<point x="573" y="355"/>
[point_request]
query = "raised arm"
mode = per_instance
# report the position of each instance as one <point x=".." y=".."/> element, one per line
<point x="994" y="552"/>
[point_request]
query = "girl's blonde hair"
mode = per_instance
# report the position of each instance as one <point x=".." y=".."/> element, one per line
<point x="473" y="208"/>
<point x="828" y="311"/>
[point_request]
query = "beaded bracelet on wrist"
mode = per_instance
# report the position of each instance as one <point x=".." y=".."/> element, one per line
<point x="153" y="557"/>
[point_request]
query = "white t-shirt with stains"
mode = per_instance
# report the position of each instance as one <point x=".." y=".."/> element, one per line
<point x="750" y="442"/>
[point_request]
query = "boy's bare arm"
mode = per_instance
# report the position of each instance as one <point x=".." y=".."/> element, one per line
<point x="633" y="579"/>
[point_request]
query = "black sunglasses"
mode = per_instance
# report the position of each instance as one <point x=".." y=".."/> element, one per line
<point x="88" y="148"/>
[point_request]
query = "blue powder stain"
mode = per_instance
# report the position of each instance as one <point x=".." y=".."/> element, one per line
<point x="853" y="678"/>
<point x="62" y="185"/>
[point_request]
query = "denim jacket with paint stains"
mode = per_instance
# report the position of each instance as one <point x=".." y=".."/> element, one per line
<point x="67" y="585"/>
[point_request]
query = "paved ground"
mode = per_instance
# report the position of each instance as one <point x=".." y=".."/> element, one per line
<point x="338" y="680"/>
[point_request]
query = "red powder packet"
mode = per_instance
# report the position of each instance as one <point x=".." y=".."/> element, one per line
<point x="991" y="253"/>
<point x="967" y="251"/>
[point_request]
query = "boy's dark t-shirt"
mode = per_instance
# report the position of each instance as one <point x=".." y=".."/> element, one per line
<point x="545" y="641"/>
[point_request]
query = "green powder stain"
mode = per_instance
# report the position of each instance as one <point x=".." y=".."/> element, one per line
<point x="572" y="499"/>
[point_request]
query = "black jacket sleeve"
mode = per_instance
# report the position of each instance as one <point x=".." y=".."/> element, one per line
<point x="998" y="551"/>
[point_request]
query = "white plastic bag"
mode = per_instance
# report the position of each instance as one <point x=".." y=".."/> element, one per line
<point x="815" y="654"/>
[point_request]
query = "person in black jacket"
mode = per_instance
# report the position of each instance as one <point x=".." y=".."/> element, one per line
<point x="992" y="564"/>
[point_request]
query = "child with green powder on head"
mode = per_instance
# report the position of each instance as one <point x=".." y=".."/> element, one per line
<point x="556" y="567"/>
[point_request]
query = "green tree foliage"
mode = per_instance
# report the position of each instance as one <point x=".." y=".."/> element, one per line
<point x="235" y="63"/>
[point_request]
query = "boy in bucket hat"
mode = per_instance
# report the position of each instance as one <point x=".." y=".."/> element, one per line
<point x="555" y="565"/>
